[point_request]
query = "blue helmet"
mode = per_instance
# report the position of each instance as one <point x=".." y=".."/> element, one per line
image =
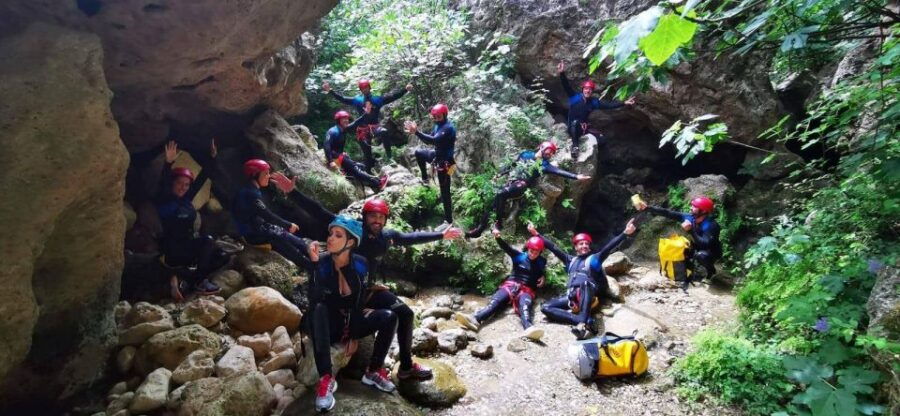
<point x="352" y="226"/>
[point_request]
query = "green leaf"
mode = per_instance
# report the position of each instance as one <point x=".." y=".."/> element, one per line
<point x="632" y="30"/>
<point x="833" y="352"/>
<point x="857" y="379"/>
<point x="806" y="370"/>
<point x="671" y="32"/>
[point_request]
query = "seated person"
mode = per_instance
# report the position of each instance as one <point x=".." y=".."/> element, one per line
<point x="586" y="281"/>
<point x="517" y="289"/>
<point x="337" y="296"/>
<point x="180" y="244"/>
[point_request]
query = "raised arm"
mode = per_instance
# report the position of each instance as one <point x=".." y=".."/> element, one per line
<point x="396" y="95"/>
<point x="610" y="246"/>
<point x="567" y="87"/>
<point x="311" y="206"/>
<point x="673" y="215"/>
<point x="606" y="104"/>
<point x="411" y="238"/>
<point x="564" y="257"/>
<point x="429" y="139"/>
<point x="341" y="98"/>
<point x="511" y="252"/>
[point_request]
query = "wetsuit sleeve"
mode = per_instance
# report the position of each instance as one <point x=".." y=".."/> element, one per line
<point x="197" y="184"/>
<point x="261" y="210"/>
<point x="341" y="98"/>
<point x="507" y="248"/>
<point x="567" y="87"/>
<point x="327" y="146"/>
<point x="553" y="170"/>
<point x="509" y="166"/>
<point x="415" y="237"/>
<point x="427" y="138"/>
<point x="164" y="178"/>
<point x="606" y="104"/>
<point x="672" y="215"/>
<point x="564" y="257"/>
<point x="708" y="238"/>
<point x="358" y="122"/>
<point x="387" y="99"/>
<point x="311" y="206"/>
<point x="610" y="246"/>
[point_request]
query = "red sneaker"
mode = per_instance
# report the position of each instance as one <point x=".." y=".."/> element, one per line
<point x="417" y="372"/>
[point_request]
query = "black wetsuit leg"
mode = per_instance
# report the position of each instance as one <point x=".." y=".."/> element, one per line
<point x="707" y="260"/>
<point x="383" y="322"/>
<point x="444" y="183"/>
<point x="557" y="310"/>
<point x="354" y="169"/>
<point x="327" y="329"/>
<point x="498" y="302"/>
<point x="513" y="189"/>
<point x="405" y="317"/>
<point x="525" y="312"/>
<point x="382" y="134"/>
<point x="366" y="148"/>
<point x="423" y="157"/>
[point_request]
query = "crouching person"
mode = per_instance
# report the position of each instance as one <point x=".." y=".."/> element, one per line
<point x="337" y="295"/>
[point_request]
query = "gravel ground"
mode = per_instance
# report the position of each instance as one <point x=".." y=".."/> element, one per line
<point x="537" y="381"/>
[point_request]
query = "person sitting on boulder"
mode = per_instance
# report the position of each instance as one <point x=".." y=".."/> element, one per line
<point x="258" y="224"/>
<point x="376" y="240"/>
<point x="443" y="138"/>
<point x="518" y="288"/>
<point x="705" y="245"/>
<point x="586" y="281"/>
<point x="334" y="151"/>
<point x="370" y="128"/>
<point x="180" y="244"/>
<point x="581" y="105"/>
<point x="523" y="173"/>
<point x="337" y="296"/>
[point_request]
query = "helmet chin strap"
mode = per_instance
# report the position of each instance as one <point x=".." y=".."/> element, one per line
<point x="345" y="248"/>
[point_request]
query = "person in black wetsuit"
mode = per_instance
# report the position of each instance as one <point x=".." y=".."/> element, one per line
<point x="523" y="174"/>
<point x="706" y="247"/>
<point x="180" y="245"/>
<point x="376" y="240"/>
<point x="586" y="281"/>
<point x="334" y="150"/>
<point x="258" y="224"/>
<point x="370" y="128"/>
<point x="518" y="288"/>
<point x="443" y="138"/>
<point x="581" y="104"/>
<point x="337" y="292"/>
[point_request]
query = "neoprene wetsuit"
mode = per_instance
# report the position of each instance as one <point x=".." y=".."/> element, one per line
<point x="443" y="138"/>
<point x="370" y="126"/>
<point x="334" y="152"/>
<point x="518" y="288"/>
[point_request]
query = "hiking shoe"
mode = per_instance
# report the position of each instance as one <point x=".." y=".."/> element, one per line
<point x="534" y="333"/>
<point x="580" y="331"/>
<point x="379" y="379"/>
<point x="684" y="286"/>
<point x="177" y="288"/>
<point x="325" y="393"/>
<point x="417" y="372"/>
<point x="443" y="227"/>
<point x="466" y="320"/>
<point x="206" y="287"/>
<point x="382" y="182"/>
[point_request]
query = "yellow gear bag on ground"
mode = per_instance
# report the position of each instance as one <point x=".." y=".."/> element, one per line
<point x="611" y="355"/>
<point x="673" y="257"/>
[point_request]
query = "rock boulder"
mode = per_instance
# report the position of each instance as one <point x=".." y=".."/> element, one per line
<point x="261" y="309"/>
<point x="442" y="390"/>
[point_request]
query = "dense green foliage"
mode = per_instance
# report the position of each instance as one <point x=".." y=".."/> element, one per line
<point x="733" y="371"/>
<point x="802" y="300"/>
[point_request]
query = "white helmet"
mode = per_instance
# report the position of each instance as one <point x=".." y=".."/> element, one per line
<point x="581" y="361"/>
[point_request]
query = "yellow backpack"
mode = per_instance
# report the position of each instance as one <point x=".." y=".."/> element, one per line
<point x="611" y="355"/>
<point x="672" y="257"/>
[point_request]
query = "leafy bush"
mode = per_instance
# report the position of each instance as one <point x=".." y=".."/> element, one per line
<point x="732" y="371"/>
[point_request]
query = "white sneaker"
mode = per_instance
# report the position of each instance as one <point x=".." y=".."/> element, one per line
<point x="534" y="333"/>
<point x="443" y="227"/>
<point x="467" y="321"/>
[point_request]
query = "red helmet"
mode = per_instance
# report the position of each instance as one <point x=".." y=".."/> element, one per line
<point x="548" y="145"/>
<point x="364" y="83"/>
<point x="176" y="172"/>
<point x="376" y="205"/>
<point x="441" y="109"/>
<point x="703" y="203"/>
<point x="588" y="84"/>
<point x="582" y="237"/>
<point x="535" y="243"/>
<point x="254" y="167"/>
<point x="341" y="114"/>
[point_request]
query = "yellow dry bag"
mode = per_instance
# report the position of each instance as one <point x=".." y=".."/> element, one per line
<point x="673" y="257"/>
<point x="610" y="355"/>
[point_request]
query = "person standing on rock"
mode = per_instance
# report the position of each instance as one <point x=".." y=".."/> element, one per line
<point x="258" y="224"/>
<point x="334" y="150"/>
<point x="523" y="174"/>
<point x="443" y="138"/>
<point x="518" y="289"/>
<point x="180" y="245"/>
<point x="706" y="247"/>
<point x="581" y="105"/>
<point x="587" y="280"/>
<point x="370" y="128"/>
<point x="375" y="242"/>
<point x="337" y="297"/>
